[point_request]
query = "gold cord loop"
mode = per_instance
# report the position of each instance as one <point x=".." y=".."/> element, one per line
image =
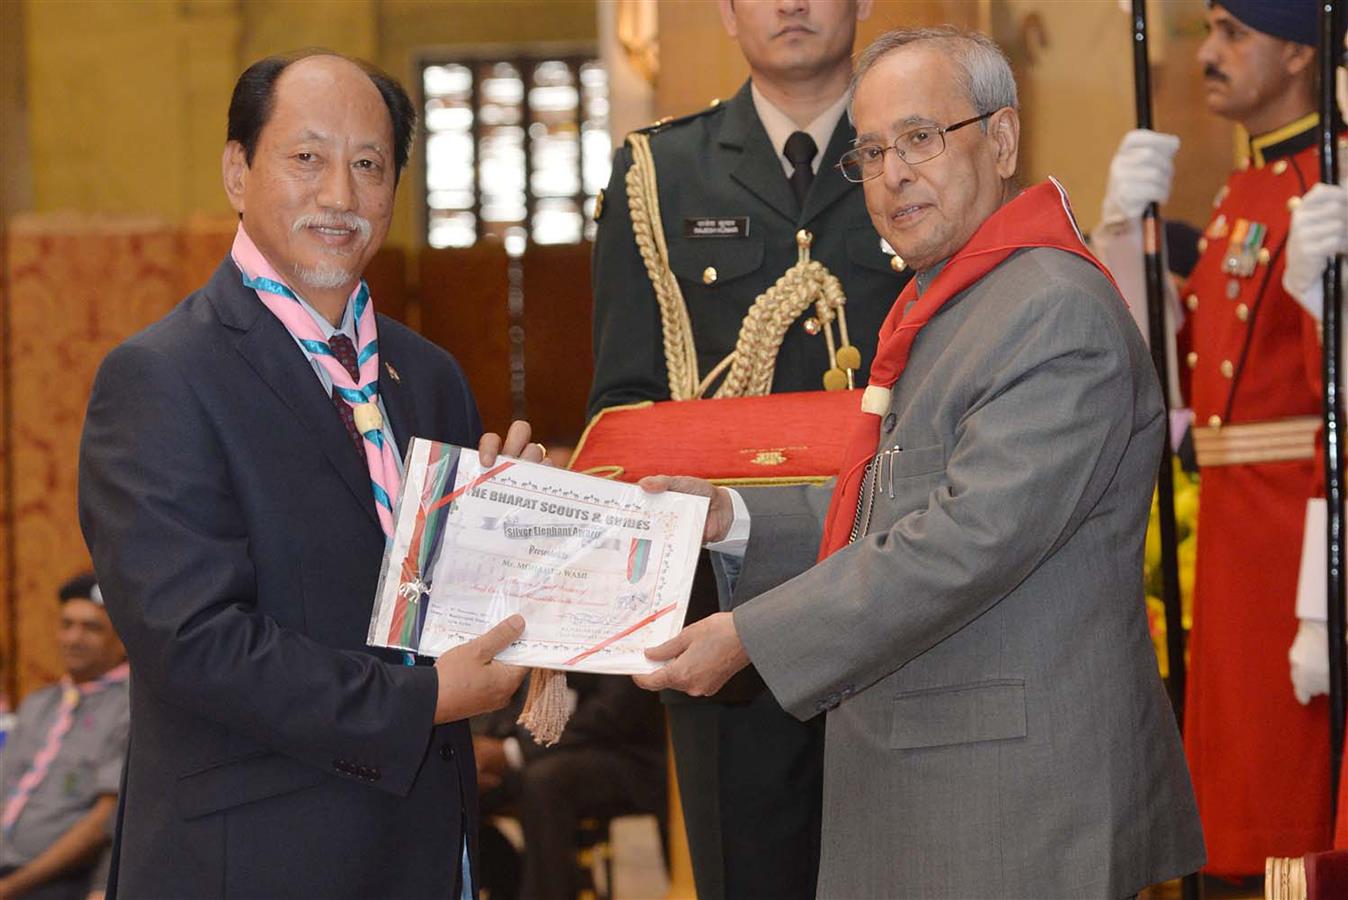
<point x="748" y="370"/>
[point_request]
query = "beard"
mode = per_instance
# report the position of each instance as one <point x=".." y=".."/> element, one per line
<point x="325" y="276"/>
<point x="329" y="275"/>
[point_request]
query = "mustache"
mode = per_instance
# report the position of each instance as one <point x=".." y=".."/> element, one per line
<point x="1216" y="74"/>
<point x="351" y="221"/>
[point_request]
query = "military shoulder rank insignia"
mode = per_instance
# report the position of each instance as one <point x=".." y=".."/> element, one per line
<point x="1242" y="252"/>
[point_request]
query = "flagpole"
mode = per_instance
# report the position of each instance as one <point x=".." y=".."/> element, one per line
<point x="1330" y="52"/>
<point x="1154" y="264"/>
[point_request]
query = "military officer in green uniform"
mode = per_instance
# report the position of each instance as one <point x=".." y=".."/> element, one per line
<point x="729" y="189"/>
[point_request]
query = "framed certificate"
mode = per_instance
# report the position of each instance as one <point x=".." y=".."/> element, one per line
<point x="599" y="569"/>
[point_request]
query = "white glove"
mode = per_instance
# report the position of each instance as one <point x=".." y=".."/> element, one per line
<point x="1309" y="656"/>
<point x="1140" y="173"/>
<point x="1319" y="231"/>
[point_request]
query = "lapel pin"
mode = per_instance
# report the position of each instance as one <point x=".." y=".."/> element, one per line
<point x="392" y="372"/>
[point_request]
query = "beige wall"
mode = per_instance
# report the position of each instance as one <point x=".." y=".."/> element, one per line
<point x="126" y="99"/>
<point x="1073" y="61"/>
<point x="699" y="62"/>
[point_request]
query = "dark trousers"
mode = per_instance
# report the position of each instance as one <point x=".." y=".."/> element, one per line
<point x="751" y="784"/>
<point x="557" y="789"/>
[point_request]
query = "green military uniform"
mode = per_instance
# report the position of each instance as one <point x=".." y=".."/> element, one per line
<point x="749" y="774"/>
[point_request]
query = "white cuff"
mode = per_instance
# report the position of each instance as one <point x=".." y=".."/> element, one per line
<point x="736" y="539"/>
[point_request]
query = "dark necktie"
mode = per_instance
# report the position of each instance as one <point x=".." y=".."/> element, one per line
<point x="345" y="352"/>
<point x="799" y="151"/>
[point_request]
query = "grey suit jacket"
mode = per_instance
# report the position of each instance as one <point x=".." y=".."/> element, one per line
<point x="997" y="726"/>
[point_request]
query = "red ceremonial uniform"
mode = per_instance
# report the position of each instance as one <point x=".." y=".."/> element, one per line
<point x="1260" y="760"/>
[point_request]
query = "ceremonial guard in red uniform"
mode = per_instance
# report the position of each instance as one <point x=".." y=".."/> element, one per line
<point x="1249" y="366"/>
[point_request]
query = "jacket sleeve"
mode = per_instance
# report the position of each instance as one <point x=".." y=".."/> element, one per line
<point x="629" y="355"/>
<point x="170" y="544"/>
<point x="1032" y="455"/>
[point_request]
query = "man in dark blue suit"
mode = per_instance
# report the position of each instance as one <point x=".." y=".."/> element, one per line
<point x="237" y="459"/>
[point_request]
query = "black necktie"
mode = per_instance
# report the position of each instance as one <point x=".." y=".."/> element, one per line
<point x="799" y="151"/>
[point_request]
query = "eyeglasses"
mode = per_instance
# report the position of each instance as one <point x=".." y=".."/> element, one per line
<point x="921" y="144"/>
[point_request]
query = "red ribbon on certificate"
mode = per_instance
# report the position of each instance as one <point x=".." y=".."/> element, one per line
<point x="620" y="635"/>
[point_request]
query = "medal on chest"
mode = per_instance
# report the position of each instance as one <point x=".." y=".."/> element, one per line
<point x="1242" y="252"/>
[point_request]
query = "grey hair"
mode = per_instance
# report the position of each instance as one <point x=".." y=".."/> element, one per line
<point x="983" y="70"/>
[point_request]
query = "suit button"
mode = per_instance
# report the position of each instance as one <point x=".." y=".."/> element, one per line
<point x="890" y="421"/>
<point x="1242" y="312"/>
<point x="709" y="275"/>
<point x="446" y="752"/>
<point x="1214" y="421"/>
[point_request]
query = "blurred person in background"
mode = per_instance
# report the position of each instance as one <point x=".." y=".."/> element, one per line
<point x="609" y="762"/>
<point x="1249" y="368"/>
<point x="62" y="763"/>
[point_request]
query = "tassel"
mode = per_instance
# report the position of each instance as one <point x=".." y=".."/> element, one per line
<point x="546" y="706"/>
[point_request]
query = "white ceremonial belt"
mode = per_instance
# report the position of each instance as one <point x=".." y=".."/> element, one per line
<point x="1278" y="440"/>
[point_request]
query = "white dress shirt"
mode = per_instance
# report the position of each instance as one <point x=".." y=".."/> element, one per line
<point x="779" y="127"/>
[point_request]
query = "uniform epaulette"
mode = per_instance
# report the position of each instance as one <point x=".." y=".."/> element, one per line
<point x="670" y="121"/>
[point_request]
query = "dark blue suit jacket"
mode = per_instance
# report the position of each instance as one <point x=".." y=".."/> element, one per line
<point x="232" y="527"/>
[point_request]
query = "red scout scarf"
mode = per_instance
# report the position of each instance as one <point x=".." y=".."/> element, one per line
<point x="1037" y="217"/>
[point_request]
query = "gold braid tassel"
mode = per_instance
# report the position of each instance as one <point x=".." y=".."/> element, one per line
<point x="749" y="368"/>
<point x="546" y="706"/>
<point x="643" y="202"/>
<point x="755" y="356"/>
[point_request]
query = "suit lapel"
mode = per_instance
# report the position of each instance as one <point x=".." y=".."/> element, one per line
<point x="829" y="185"/>
<point x="757" y="168"/>
<point x="401" y="414"/>
<point x="269" y="349"/>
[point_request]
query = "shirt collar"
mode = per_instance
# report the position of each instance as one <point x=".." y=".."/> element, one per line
<point x="779" y="126"/>
<point x="927" y="276"/>
<point x="248" y="257"/>
<point x="1285" y="141"/>
<point x="348" y="326"/>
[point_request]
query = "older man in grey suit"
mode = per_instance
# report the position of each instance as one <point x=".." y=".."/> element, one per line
<point x="976" y="626"/>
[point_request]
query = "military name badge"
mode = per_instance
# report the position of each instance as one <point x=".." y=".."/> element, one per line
<point x="716" y="227"/>
<point x="1242" y="252"/>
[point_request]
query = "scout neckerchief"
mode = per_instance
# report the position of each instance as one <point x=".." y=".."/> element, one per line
<point x="1038" y="217"/>
<point x="285" y="305"/>
<point x="71" y="693"/>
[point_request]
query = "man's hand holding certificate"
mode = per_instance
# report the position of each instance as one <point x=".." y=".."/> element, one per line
<point x="599" y="569"/>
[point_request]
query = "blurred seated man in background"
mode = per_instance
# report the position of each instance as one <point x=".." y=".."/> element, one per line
<point x="609" y="762"/>
<point x="62" y="763"/>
